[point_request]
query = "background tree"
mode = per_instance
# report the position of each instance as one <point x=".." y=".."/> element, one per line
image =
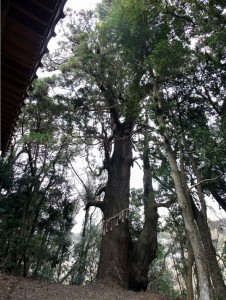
<point x="37" y="206"/>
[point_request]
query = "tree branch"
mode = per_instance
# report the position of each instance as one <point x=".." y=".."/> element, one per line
<point x="100" y="190"/>
<point x="163" y="184"/>
<point x="205" y="180"/>
<point x="110" y="97"/>
<point x="166" y="204"/>
<point x="95" y="203"/>
<point x="170" y="12"/>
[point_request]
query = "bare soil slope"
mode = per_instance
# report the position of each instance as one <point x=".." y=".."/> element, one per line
<point x="16" y="288"/>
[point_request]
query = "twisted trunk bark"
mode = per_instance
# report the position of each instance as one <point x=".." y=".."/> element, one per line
<point x="144" y="249"/>
<point x="115" y="241"/>
<point x="127" y="263"/>
<point x="143" y="252"/>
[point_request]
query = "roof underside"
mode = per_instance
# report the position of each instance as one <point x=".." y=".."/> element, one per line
<point x="27" y="27"/>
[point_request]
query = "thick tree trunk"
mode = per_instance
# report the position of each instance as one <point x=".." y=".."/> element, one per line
<point x="144" y="249"/>
<point x="116" y="238"/>
<point x="143" y="252"/>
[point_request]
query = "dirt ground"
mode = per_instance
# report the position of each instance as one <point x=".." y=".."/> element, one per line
<point x="16" y="288"/>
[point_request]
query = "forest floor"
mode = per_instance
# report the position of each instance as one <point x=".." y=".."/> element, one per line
<point x="17" y="288"/>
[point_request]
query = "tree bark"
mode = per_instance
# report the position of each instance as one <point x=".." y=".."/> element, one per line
<point x="144" y="249"/>
<point x="191" y="227"/>
<point x="115" y="241"/>
<point x="201" y="221"/>
<point x="218" y="198"/>
<point x="189" y="266"/>
<point x="185" y="205"/>
<point x="143" y="252"/>
<point x="216" y="277"/>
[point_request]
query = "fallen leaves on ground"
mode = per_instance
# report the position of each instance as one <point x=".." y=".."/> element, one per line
<point x="17" y="288"/>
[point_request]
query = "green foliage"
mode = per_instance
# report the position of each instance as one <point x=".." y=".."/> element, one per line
<point x="136" y="213"/>
<point x="6" y="173"/>
<point x="161" y="277"/>
<point x="164" y="285"/>
<point x="37" y="137"/>
<point x="169" y="58"/>
<point x="40" y="89"/>
<point x="36" y="204"/>
<point x="86" y="253"/>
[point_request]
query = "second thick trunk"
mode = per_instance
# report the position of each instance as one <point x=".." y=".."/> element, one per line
<point x="144" y="249"/>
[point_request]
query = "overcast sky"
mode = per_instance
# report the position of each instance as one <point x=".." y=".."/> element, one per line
<point x="81" y="4"/>
<point x="75" y="5"/>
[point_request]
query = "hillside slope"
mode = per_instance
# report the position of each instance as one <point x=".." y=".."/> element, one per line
<point x="16" y="288"/>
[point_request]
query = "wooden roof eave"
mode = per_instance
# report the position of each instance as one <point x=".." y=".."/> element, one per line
<point x="27" y="27"/>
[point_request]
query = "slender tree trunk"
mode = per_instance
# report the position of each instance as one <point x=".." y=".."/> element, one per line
<point x="41" y="253"/>
<point x="189" y="267"/>
<point x="81" y="264"/>
<point x="201" y="221"/>
<point x="191" y="227"/>
<point x="115" y="241"/>
<point x="221" y="201"/>
<point x="197" y="285"/>
<point x="185" y="205"/>
<point x="176" y="270"/>
<point x="28" y="225"/>
<point x="216" y="277"/>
